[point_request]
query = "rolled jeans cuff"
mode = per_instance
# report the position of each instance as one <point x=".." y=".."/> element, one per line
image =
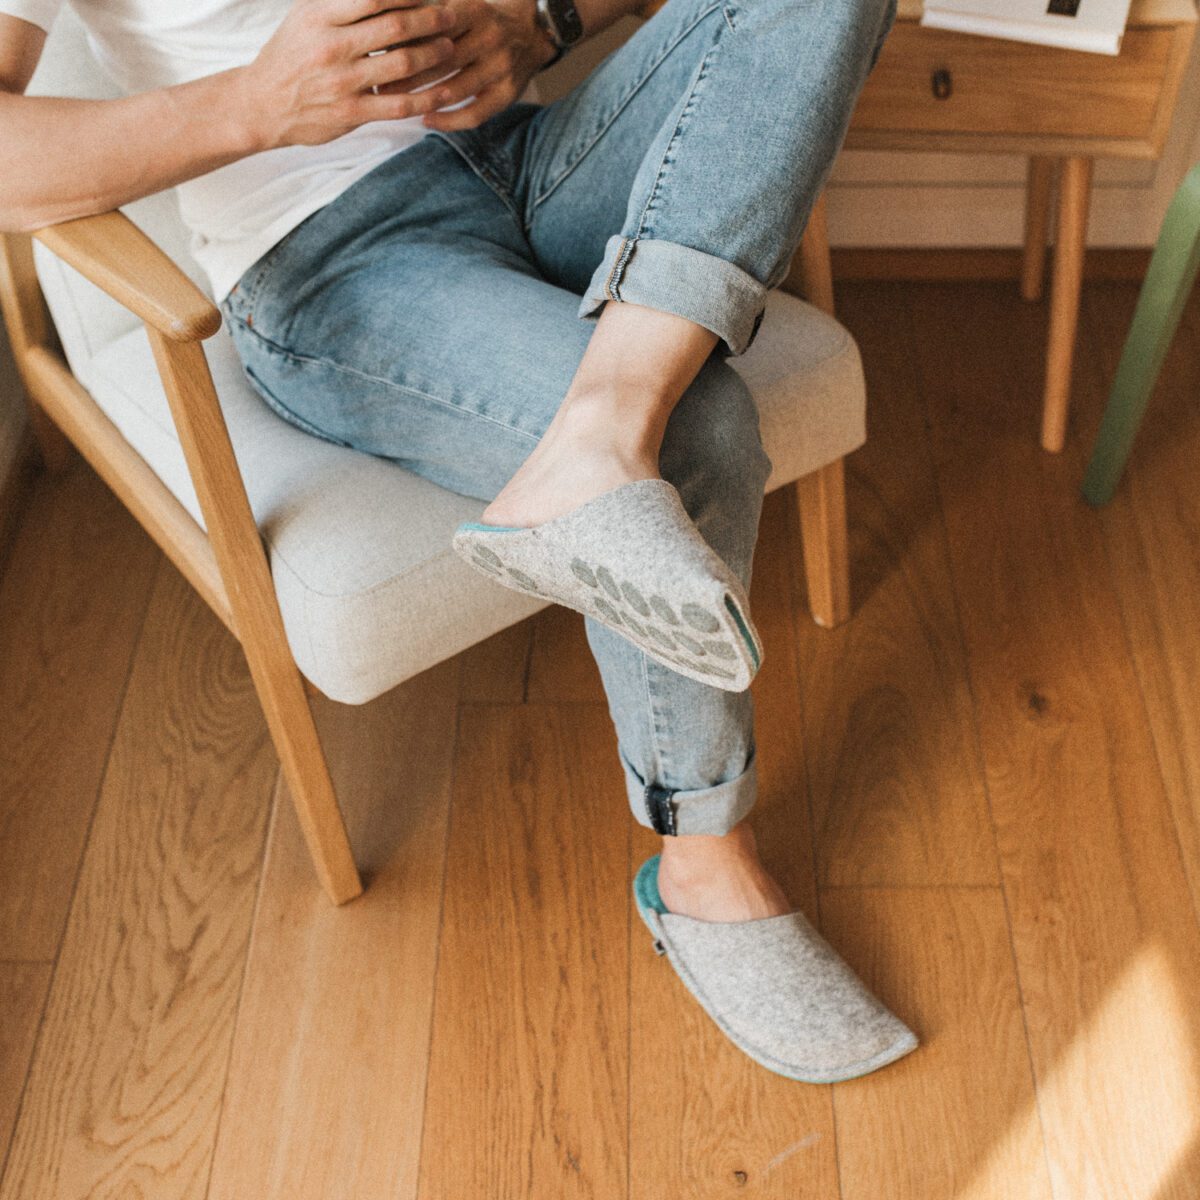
<point x="678" y="279"/>
<point x="712" y="810"/>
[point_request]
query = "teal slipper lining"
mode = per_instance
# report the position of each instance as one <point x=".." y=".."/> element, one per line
<point x="476" y="527"/>
<point x="736" y="613"/>
<point x="645" y="887"/>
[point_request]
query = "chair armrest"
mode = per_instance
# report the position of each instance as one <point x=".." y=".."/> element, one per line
<point x="111" y="251"/>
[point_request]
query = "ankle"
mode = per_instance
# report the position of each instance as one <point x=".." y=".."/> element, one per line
<point x="632" y="417"/>
<point x="696" y="855"/>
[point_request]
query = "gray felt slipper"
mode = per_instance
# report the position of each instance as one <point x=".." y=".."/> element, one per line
<point x="632" y="560"/>
<point x="777" y="990"/>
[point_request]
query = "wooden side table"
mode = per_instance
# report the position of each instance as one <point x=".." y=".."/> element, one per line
<point x="937" y="90"/>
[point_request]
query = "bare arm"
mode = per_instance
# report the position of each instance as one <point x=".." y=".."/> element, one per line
<point x="312" y="82"/>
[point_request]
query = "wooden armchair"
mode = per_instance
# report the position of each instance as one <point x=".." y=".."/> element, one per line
<point x="298" y="549"/>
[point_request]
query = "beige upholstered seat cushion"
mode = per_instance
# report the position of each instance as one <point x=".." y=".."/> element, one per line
<point x="370" y="590"/>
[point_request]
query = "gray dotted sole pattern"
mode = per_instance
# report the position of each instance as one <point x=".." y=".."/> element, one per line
<point x="671" y="597"/>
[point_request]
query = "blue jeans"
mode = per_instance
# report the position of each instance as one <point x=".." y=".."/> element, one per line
<point x="431" y="313"/>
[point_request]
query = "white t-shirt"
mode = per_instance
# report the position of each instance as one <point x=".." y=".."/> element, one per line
<point x="237" y="213"/>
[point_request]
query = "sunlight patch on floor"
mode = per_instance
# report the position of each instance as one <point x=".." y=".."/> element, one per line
<point x="1132" y="1068"/>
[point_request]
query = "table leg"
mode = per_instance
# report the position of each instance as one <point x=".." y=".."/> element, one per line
<point x="1074" y="195"/>
<point x="1039" y="187"/>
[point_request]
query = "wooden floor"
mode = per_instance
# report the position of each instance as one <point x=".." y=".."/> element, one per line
<point x="986" y="789"/>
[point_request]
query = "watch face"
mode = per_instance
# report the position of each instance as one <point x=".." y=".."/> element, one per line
<point x="567" y="23"/>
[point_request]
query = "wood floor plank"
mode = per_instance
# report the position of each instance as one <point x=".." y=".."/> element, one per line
<point x="1105" y="937"/>
<point x="23" y="988"/>
<point x="528" y="1065"/>
<point x="125" y="1086"/>
<point x="897" y="786"/>
<point x="1152" y="532"/>
<point x="327" y="1076"/>
<point x="957" y="1119"/>
<point x="72" y="598"/>
<point x="561" y="667"/>
<point x="494" y="670"/>
<point x="706" y="1121"/>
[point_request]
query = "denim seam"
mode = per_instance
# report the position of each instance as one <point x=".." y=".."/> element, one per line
<point x="701" y="75"/>
<point x="661" y="764"/>
<point x="652" y="716"/>
<point x="333" y="365"/>
<point x="613" y="282"/>
<point x="619" y="107"/>
<point x="486" y="176"/>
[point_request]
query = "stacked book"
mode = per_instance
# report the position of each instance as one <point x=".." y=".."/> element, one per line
<point x="1095" y="25"/>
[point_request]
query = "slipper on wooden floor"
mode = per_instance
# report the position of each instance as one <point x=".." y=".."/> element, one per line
<point x="633" y="560"/>
<point x="777" y="990"/>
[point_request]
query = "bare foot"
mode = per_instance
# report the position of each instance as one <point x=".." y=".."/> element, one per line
<point x="718" y="878"/>
<point x="583" y="454"/>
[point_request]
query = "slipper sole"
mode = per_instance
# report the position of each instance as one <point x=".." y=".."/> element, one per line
<point x="690" y="615"/>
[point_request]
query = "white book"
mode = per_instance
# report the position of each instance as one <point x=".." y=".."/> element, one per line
<point x="1095" y="25"/>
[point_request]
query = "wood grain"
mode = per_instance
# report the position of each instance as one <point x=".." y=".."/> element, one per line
<point x="125" y="1087"/>
<point x="23" y="988"/>
<point x="957" y="1119"/>
<point x="1039" y="196"/>
<point x="146" y="497"/>
<point x="1015" y="88"/>
<point x="821" y="506"/>
<point x="561" y="667"/>
<point x="529" y="1059"/>
<point x="333" y="1029"/>
<point x="72" y="598"/>
<point x="897" y="787"/>
<point x="1070" y="248"/>
<point x="111" y="251"/>
<point x="239" y="551"/>
<point x="1102" y="923"/>
<point x="1152" y="535"/>
<point x="706" y="1121"/>
<point x="493" y="671"/>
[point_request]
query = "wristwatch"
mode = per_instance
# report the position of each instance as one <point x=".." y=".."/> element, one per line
<point x="559" y="20"/>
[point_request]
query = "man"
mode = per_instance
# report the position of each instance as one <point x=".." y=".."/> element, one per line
<point x="405" y="252"/>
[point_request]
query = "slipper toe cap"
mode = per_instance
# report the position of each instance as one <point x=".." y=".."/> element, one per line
<point x="783" y="995"/>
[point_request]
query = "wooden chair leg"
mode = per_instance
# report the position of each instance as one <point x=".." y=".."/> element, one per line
<point x="52" y="444"/>
<point x="1039" y="187"/>
<point x="1165" y="291"/>
<point x="821" y="498"/>
<point x="255" y="608"/>
<point x="28" y="326"/>
<point x="816" y="271"/>
<point x="1073" y="199"/>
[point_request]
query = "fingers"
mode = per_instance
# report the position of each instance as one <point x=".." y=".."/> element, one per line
<point x="349" y="12"/>
<point x="397" y="27"/>
<point x="393" y="106"/>
<point x="488" y="102"/>
<point x="486" y="62"/>
<point x="426" y="59"/>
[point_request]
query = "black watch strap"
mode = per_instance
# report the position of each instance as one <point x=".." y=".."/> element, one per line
<point x="561" y="22"/>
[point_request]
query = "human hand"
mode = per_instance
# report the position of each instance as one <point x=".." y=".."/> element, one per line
<point x="498" y="48"/>
<point x="322" y="73"/>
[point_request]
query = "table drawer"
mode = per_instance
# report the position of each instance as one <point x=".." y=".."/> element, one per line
<point x="932" y="80"/>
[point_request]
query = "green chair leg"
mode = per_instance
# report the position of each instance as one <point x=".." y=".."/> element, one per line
<point x="1165" y="291"/>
